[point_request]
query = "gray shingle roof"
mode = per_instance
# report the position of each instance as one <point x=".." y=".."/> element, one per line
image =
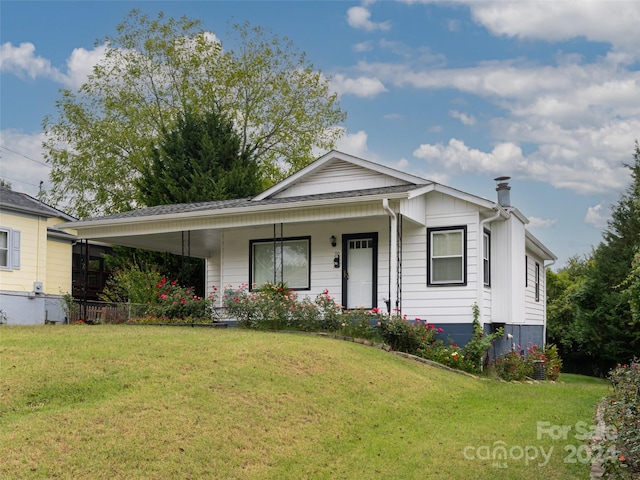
<point x="248" y="202"/>
<point x="21" y="202"/>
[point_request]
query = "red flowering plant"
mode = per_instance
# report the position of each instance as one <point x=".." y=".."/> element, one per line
<point x="174" y="303"/>
<point x="513" y="366"/>
<point x="622" y="413"/>
<point x="549" y="358"/>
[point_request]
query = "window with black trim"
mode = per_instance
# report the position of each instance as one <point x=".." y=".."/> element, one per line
<point x="278" y="260"/>
<point x="486" y="257"/>
<point x="537" y="282"/>
<point x="447" y="256"/>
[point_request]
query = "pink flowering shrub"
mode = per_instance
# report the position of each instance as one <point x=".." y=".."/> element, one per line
<point x="516" y="366"/>
<point x="176" y="304"/>
<point x="276" y="307"/>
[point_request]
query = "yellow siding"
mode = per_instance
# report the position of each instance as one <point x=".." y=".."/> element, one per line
<point x="34" y="256"/>
<point x="33" y="246"/>
<point x="58" y="279"/>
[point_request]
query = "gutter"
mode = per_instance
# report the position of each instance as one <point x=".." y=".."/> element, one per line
<point x="500" y="212"/>
<point x="393" y="256"/>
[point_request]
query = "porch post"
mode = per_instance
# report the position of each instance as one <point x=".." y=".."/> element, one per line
<point x="393" y="257"/>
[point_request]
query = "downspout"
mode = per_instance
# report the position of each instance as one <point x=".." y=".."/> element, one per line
<point x="480" y="281"/>
<point x="393" y="249"/>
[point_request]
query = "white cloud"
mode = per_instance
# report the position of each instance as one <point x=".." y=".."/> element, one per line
<point x="355" y="144"/>
<point x="80" y="65"/>
<point x="456" y="157"/>
<point x="361" y="87"/>
<point x="359" y="17"/>
<point x="535" y="222"/>
<point x="595" y="20"/>
<point x="23" y="163"/>
<point x="22" y="61"/>
<point x="597" y="216"/>
<point x="363" y="47"/>
<point x="583" y="119"/>
<point x="463" y="117"/>
<point x="587" y="175"/>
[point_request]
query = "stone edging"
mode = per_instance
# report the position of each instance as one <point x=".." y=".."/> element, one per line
<point x="598" y="435"/>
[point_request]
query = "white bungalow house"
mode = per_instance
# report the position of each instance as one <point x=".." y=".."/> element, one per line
<point x="373" y="236"/>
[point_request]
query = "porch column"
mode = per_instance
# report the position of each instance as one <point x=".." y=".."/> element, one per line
<point x="393" y="255"/>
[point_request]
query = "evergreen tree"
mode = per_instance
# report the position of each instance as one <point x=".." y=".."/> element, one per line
<point x="202" y="159"/>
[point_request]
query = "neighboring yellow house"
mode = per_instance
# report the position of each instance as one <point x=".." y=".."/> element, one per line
<point x="35" y="260"/>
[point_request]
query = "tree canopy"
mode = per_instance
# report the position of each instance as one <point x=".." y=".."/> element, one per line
<point x="155" y="70"/>
<point x="594" y="304"/>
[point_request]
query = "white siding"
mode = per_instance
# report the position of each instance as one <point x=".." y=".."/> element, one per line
<point x="507" y="283"/>
<point x="534" y="310"/>
<point x="339" y="176"/>
<point x="414" y="209"/>
<point x="441" y="304"/>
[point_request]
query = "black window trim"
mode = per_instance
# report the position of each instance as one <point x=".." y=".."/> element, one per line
<point x="486" y="269"/>
<point x="277" y="242"/>
<point x="537" y="282"/>
<point x="432" y="230"/>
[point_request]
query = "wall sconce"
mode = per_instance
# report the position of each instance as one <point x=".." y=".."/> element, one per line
<point x="333" y="240"/>
<point x="336" y="260"/>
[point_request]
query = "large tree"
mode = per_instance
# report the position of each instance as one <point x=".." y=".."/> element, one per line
<point x="153" y="71"/>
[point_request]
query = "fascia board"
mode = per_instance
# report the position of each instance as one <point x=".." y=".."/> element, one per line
<point x="467" y="197"/>
<point x="536" y="245"/>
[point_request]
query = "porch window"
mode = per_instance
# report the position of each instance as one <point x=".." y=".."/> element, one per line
<point x="486" y="258"/>
<point x="447" y="263"/>
<point x="277" y="260"/>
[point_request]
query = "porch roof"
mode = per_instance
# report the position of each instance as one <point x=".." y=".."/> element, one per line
<point x="199" y="224"/>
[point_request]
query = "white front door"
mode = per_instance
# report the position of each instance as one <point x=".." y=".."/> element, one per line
<point x="359" y="271"/>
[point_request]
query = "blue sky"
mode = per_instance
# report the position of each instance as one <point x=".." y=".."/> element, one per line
<point x="547" y="92"/>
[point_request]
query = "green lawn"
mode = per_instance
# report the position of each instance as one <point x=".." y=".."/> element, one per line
<point x="140" y="402"/>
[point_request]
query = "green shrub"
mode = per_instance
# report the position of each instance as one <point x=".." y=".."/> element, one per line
<point x="475" y="351"/>
<point x="407" y="336"/>
<point x="361" y="323"/>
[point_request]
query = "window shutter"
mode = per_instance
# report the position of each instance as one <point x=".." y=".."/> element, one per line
<point x="15" y="249"/>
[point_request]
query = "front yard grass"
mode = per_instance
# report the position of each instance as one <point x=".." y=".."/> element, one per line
<point x="176" y="402"/>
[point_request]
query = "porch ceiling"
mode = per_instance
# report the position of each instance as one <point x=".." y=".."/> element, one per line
<point x="197" y="243"/>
